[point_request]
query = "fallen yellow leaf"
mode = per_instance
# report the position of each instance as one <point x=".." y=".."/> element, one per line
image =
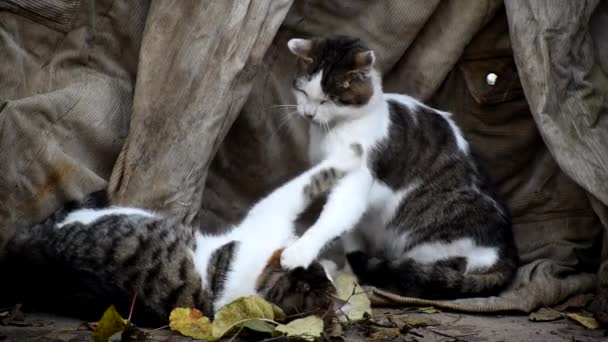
<point x="428" y="310"/>
<point x="587" y="322"/>
<point x="190" y="322"/>
<point x="307" y="328"/>
<point x="241" y="311"/>
<point x="545" y="315"/>
<point x="110" y="323"/>
<point x="348" y="290"/>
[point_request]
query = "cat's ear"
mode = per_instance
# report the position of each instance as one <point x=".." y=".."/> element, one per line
<point x="364" y="61"/>
<point x="301" y="48"/>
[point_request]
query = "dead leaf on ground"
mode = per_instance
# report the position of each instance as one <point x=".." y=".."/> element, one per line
<point x="575" y="302"/>
<point x="307" y="328"/>
<point x="384" y="335"/>
<point x="348" y="290"/>
<point x="190" y="322"/>
<point x="240" y="312"/>
<point x="259" y="326"/>
<point x="545" y="315"/>
<point x="418" y="322"/>
<point x="587" y="322"/>
<point x="110" y="323"/>
<point x="4" y="313"/>
<point x="428" y="310"/>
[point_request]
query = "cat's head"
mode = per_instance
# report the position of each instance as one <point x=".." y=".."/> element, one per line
<point x="301" y="291"/>
<point x="335" y="79"/>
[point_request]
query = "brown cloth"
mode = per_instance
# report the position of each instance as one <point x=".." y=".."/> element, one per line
<point x="177" y="107"/>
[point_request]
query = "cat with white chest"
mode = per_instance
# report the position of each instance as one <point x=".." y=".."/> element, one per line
<point x="420" y="218"/>
<point x="88" y="256"/>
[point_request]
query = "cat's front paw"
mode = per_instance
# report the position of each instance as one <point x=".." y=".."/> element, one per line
<point x="296" y="256"/>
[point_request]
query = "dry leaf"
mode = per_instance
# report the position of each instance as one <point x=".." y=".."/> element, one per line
<point x="545" y="315"/>
<point x="110" y="323"/>
<point x="307" y="328"/>
<point x="259" y="326"/>
<point x="587" y="322"/>
<point x="4" y="314"/>
<point x="428" y="310"/>
<point x="384" y="335"/>
<point x="239" y="312"/>
<point x="415" y="322"/>
<point x="190" y="322"/>
<point x="348" y="290"/>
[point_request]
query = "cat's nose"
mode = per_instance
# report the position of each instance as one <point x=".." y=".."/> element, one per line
<point x="309" y="115"/>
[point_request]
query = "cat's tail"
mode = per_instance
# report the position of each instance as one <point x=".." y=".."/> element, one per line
<point x="446" y="279"/>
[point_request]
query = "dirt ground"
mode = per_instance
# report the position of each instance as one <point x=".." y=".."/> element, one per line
<point x="384" y="326"/>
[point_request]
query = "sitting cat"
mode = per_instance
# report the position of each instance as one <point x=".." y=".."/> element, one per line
<point x="428" y="224"/>
<point x="91" y="257"/>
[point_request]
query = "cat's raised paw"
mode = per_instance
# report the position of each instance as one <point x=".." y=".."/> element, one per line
<point x="296" y="256"/>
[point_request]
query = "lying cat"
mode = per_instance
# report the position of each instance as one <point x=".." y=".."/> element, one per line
<point x="428" y="223"/>
<point x="91" y="257"/>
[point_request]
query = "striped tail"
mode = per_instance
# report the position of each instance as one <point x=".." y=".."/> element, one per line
<point x="445" y="279"/>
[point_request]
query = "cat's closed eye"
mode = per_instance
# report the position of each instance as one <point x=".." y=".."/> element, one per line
<point x="295" y="87"/>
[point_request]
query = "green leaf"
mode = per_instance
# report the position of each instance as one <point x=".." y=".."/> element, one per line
<point x="260" y="326"/>
<point x="243" y="311"/>
<point x="545" y="315"/>
<point x="190" y="322"/>
<point x="110" y="323"/>
<point x="587" y="322"/>
<point x="428" y="310"/>
<point x="307" y="328"/>
<point x="348" y="290"/>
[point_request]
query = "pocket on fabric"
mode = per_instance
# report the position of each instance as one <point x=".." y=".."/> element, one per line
<point x="493" y="80"/>
<point x="58" y="15"/>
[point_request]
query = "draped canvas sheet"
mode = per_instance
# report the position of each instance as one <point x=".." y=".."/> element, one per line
<point x="191" y="123"/>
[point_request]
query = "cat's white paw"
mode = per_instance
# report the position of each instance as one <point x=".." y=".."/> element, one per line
<point x="296" y="256"/>
<point x="348" y="159"/>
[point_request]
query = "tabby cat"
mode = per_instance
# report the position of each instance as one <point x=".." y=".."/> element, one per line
<point x="86" y="256"/>
<point x="428" y="224"/>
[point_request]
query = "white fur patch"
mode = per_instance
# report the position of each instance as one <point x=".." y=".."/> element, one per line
<point x="408" y="101"/>
<point x="87" y="216"/>
<point x="461" y="142"/>
<point x="477" y="257"/>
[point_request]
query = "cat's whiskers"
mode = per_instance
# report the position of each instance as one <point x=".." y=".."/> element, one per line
<point x="284" y="106"/>
<point x="283" y="123"/>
